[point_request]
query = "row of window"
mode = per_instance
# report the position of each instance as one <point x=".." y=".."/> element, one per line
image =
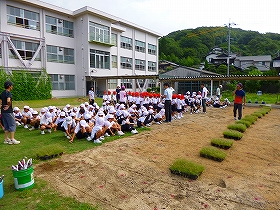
<point x="31" y="20"/>
<point x="101" y="60"/>
<point x="97" y="32"/>
<point x="98" y="59"/>
<point x="62" y="82"/>
<point x="140" y="46"/>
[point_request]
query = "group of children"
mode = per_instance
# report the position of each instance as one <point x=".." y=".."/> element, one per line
<point x="94" y="123"/>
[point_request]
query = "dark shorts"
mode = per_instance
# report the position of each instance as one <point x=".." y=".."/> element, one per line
<point x="9" y="122"/>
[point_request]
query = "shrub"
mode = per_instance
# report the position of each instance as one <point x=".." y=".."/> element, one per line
<point x="213" y="153"/>
<point x="49" y="151"/>
<point x="244" y="122"/>
<point x="232" y="134"/>
<point x="222" y="143"/>
<point x="238" y="127"/>
<point x="186" y="168"/>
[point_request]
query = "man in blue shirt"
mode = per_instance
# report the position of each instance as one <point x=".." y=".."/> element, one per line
<point x="167" y="102"/>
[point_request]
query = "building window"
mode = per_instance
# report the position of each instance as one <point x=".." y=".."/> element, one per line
<point x="25" y="49"/>
<point x="99" y="33"/>
<point x="127" y="83"/>
<point x="60" y="54"/>
<point x="126" y="43"/>
<point x="23" y="18"/>
<point x="62" y="82"/>
<point x="140" y="46"/>
<point x="59" y="26"/>
<point x="114" y="61"/>
<point x="152" y="66"/>
<point x="126" y="63"/>
<point x="114" y="39"/>
<point x="112" y="83"/>
<point x="99" y="59"/>
<point x="140" y="65"/>
<point x="152" y="49"/>
<point x="151" y="83"/>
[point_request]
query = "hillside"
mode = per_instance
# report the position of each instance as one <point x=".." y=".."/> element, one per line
<point x="190" y="47"/>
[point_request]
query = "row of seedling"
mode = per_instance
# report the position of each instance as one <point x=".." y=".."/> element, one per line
<point x="234" y="132"/>
<point x="192" y="170"/>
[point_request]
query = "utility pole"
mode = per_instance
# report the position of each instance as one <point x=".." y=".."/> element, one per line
<point x="228" y="58"/>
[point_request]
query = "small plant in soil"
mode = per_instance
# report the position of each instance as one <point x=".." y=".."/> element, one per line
<point x="49" y="151"/>
<point x="222" y="143"/>
<point x="213" y="153"/>
<point x="232" y="134"/>
<point x="238" y="127"/>
<point x="186" y="168"/>
<point x="244" y="122"/>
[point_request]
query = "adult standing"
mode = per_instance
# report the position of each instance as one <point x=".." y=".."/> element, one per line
<point x="218" y="92"/>
<point x="118" y="93"/>
<point x="167" y="95"/>
<point x="204" y="93"/>
<point x="7" y="114"/>
<point x="91" y="95"/>
<point x="240" y="97"/>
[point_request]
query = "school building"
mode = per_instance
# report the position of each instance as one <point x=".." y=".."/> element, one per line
<point x="78" y="49"/>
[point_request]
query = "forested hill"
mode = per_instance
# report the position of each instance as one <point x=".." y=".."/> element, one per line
<point x="190" y="47"/>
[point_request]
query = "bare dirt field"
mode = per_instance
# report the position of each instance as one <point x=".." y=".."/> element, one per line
<point x="133" y="173"/>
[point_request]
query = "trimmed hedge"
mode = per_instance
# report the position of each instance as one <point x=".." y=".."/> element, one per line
<point x="213" y="153"/>
<point x="186" y="168"/>
<point x="232" y="134"/>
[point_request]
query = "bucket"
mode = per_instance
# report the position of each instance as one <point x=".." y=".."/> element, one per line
<point x="24" y="178"/>
<point x="1" y="189"/>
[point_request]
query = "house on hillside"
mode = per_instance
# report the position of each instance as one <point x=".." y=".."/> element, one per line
<point x="261" y="62"/>
<point x="220" y="58"/>
<point x="182" y="71"/>
<point x="78" y="49"/>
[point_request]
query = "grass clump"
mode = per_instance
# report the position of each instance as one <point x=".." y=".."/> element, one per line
<point x="238" y="127"/>
<point x="49" y="151"/>
<point x="244" y="122"/>
<point x="257" y="114"/>
<point x="213" y="153"/>
<point x="186" y="168"/>
<point x="222" y="143"/>
<point x="232" y="134"/>
<point x="251" y="118"/>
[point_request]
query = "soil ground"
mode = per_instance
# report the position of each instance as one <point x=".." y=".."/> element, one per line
<point x="133" y="173"/>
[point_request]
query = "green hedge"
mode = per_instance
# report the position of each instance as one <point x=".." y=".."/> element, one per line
<point x="28" y="85"/>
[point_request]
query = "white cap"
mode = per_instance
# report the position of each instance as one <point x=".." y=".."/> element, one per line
<point x="122" y="106"/>
<point x="35" y="112"/>
<point x="16" y="108"/>
<point x="111" y="111"/>
<point x="62" y="114"/>
<point x="43" y="110"/>
<point x="86" y="103"/>
<point x="26" y="107"/>
<point x="83" y="123"/>
<point x="72" y="114"/>
<point x="110" y="116"/>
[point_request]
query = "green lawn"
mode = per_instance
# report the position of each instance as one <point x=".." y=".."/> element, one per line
<point x="253" y="97"/>
<point x="41" y="196"/>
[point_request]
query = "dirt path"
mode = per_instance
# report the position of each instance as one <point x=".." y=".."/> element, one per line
<point x="133" y="173"/>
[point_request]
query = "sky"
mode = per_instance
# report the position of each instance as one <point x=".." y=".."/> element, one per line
<point x="166" y="16"/>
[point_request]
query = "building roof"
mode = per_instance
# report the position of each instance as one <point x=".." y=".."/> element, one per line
<point x="254" y="58"/>
<point x="87" y="10"/>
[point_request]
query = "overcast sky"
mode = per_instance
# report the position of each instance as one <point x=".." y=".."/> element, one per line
<point x="165" y="16"/>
